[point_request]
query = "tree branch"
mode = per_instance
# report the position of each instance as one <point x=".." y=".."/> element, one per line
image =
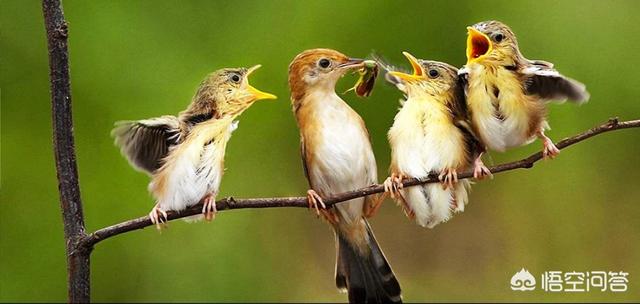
<point x="64" y="150"/>
<point x="231" y="203"/>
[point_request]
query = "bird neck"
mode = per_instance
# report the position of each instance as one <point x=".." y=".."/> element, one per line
<point x="320" y="106"/>
<point x="317" y="97"/>
<point x="219" y="129"/>
<point x="424" y="99"/>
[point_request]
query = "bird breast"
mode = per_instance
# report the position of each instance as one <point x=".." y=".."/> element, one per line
<point x="337" y="149"/>
<point x="501" y="113"/>
<point x="194" y="168"/>
<point x="423" y="139"/>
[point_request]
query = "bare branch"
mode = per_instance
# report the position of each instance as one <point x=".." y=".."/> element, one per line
<point x="231" y="203"/>
<point x="63" y="142"/>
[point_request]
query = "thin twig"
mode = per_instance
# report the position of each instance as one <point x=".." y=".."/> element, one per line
<point x="231" y="203"/>
<point x="64" y="150"/>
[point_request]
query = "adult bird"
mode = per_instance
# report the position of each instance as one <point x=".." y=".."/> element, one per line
<point x="507" y="94"/>
<point x="185" y="154"/>
<point x="337" y="157"/>
<point x="430" y="133"/>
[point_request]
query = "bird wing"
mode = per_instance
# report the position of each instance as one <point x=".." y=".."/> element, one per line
<point x="463" y="82"/>
<point x="145" y="143"/>
<point x="462" y="117"/>
<point x="540" y="78"/>
<point x="303" y="155"/>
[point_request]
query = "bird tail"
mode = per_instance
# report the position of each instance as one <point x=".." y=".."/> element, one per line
<point x="366" y="276"/>
<point x="433" y="205"/>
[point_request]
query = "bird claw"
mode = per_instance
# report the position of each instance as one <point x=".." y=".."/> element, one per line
<point x="550" y="151"/>
<point x="393" y="184"/>
<point x="158" y="217"/>
<point x="209" y="208"/>
<point x="314" y="200"/>
<point x="448" y="177"/>
<point x="480" y="171"/>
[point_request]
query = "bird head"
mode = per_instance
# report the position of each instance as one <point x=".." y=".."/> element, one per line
<point x="227" y="92"/>
<point x="492" y="42"/>
<point x="428" y="77"/>
<point x="318" y="69"/>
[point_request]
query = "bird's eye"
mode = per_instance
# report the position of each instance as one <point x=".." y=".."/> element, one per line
<point x="433" y="73"/>
<point x="498" y="37"/>
<point x="235" y="78"/>
<point x="324" y="63"/>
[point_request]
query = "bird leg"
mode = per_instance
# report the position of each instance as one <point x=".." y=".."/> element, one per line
<point x="209" y="208"/>
<point x="156" y="215"/>
<point x="314" y="200"/>
<point x="448" y="177"/>
<point x="393" y="184"/>
<point x="550" y="150"/>
<point x="480" y="171"/>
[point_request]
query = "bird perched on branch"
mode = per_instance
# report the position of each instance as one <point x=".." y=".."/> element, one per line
<point x="430" y="133"/>
<point x="185" y="155"/>
<point x="507" y="93"/>
<point x="337" y="157"/>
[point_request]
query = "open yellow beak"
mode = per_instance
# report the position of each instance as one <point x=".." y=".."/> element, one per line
<point x="478" y="45"/>
<point x="257" y="94"/>
<point x="418" y="70"/>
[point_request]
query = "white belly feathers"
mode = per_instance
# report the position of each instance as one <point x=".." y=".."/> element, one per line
<point x="501" y="121"/>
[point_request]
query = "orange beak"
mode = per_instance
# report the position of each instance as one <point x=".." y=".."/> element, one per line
<point x="478" y="45"/>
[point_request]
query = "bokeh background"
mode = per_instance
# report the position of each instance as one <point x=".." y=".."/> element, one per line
<point x="139" y="59"/>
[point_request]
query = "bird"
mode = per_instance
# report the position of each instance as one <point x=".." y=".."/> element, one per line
<point x="431" y="133"/>
<point x="184" y="155"/>
<point x="337" y="156"/>
<point x="507" y="94"/>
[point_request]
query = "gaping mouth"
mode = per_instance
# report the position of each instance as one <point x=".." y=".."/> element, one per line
<point x="478" y="45"/>
<point x="418" y="70"/>
<point x="255" y="93"/>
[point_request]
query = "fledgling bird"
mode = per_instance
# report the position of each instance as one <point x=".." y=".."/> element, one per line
<point x="430" y="133"/>
<point x="185" y="155"/>
<point x="507" y="94"/>
<point x="337" y="157"/>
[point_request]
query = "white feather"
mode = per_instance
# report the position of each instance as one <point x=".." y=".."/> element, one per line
<point x="343" y="158"/>
<point x="497" y="134"/>
<point x="424" y="140"/>
<point x="195" y="169"/>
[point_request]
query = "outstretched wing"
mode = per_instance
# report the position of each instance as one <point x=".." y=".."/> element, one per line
<point x="541" y="79"/>
<point x="145" y="143"/>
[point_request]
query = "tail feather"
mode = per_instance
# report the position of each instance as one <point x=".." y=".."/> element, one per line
<point x="367" y="279"/>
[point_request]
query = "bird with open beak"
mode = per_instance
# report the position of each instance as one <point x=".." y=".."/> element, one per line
<point x="185" y="155"/>
<point x="507" y="93"/>
<point x="430" y="134"/>
<point x="337" y="157"/>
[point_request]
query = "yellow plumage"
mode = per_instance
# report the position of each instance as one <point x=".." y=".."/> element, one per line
<point x="430" y="135"/>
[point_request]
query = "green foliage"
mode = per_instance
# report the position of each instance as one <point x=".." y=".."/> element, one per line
<point x="139" y="59"/>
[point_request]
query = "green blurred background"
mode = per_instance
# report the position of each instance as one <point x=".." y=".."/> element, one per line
<point x="140" y="59"/>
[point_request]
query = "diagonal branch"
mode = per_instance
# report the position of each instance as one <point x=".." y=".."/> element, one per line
<point x="231" y="203"/>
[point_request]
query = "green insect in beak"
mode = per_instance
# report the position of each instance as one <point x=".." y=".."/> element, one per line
<point x="368" y="74"/>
